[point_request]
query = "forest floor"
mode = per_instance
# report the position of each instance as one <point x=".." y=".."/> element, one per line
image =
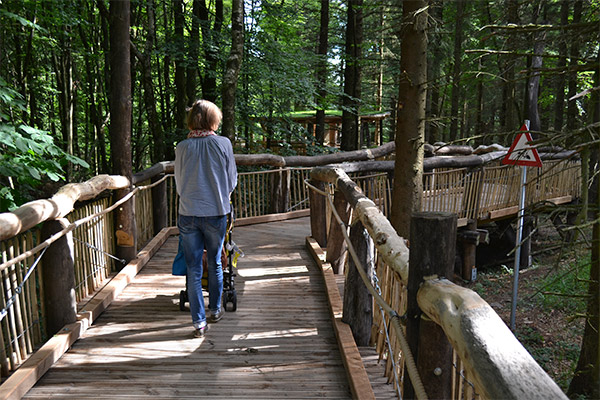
<point x="546" y="319"/>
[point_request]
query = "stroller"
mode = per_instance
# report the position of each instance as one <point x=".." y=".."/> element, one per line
<point x="229" y="257"/>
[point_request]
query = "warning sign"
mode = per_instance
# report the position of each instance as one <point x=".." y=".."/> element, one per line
<point x="520" y="153"/>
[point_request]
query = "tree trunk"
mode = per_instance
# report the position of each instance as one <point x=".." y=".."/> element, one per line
<point x="410" y="130"/>
<point x="456" y="70"/>
<point x="322" y="73"/>
<point x="559" y="103"/>
<point x="533" y="86"/>
<point x="352" y="72"/>
<point x="572" y="111"/>
<point x="120" y="124"/>
<point x="232" y="69"/>
<point x="432" y="131"/>
<point x="180" y="97"/>
<point x="508" y="117"/>
<point x="194" y="44"/>
<point x="586" y="380"/>
<point x="158" y="140"/>
<point x="210" y="42"/>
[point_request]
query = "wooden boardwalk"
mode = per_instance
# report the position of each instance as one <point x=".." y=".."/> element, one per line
<point x="278" y="344"/>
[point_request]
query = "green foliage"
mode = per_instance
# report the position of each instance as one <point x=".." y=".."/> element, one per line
<point x="28" y="157"/>
<point x="566" y="288"/>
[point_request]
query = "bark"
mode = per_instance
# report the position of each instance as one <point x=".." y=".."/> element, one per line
<point x="180" y="97"/>
<point x="456" y="70"/>
<point x="120" y="124"/>
<point x="559" y="104"/>
<point x="158" y="141"/>
<point x="322" y="73"/>
<point x="508" y="117"/>
<point x="533" y="86"/>
<point x="210" y="43"/>
<point x="586" y="380"/>
<point x="232" y="69"/>
<point x="194" y="45"/>
<point x="572" y="111"/>
<point x="410" y="130"/>
<point x="352" y="76"/>
<point x="432" y="131"/>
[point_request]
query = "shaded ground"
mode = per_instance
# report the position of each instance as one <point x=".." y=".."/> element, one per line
<point x="546" y="318"/>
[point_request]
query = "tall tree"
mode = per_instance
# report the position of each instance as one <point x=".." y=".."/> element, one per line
<point x="180" y="83"/>
<point x="410" y="129"/>
<point x="586" y="379"/>
<point x="210" y="43"/>
<point x="232" y="69"/>
<point x="322" y="72"/>
<point x="120" y="123"/>
<point x="456" y="69"/>
<point x="352" y="76"/>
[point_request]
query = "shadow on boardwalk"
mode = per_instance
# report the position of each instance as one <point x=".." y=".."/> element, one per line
<point x="278" y="344"/>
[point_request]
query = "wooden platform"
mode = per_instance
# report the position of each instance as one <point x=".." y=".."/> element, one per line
<point x="278" y="344"/>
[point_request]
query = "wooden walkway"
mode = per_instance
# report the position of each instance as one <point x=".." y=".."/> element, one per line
<point x="279" y="343"/>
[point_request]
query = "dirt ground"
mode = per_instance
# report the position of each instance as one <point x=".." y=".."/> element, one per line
<point x="545" y="320"/>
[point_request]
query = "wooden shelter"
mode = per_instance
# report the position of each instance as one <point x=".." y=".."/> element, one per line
<point x="333" y="120"/>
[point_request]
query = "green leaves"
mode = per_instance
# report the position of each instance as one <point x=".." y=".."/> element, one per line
<point x="29" y="157"/>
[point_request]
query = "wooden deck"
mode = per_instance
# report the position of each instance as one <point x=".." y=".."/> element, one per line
<point x="280" y="342"/>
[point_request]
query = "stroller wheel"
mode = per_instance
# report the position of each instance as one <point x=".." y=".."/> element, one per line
<point x="183" y="298"/>
<point x="230" y="301"/>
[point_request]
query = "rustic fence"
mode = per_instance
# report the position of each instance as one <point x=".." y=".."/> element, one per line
<point x="439" y="339"/>
<point x="90" y="242"/>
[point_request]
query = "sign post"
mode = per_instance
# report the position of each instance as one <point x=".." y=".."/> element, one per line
<point x="520" y="153"/>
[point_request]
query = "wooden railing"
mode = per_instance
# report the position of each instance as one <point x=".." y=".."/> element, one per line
<point x="281" y="190"/>
<point x="488" y="361"/>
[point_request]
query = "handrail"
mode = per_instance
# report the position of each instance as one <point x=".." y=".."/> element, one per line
<point x="495" y="360"/>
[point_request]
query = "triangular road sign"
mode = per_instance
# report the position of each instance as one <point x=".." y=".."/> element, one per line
<point x="520" y="153"/>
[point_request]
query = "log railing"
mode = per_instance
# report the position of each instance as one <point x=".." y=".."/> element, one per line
<point x="90" y="246"/>
<point x="488" y="361"/>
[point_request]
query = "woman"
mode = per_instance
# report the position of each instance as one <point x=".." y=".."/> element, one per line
<point x="205" y="175"/>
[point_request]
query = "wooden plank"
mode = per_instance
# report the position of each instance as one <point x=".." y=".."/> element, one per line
<point x="280" y="342"/>
<point x="357" y="375"/>
<point x="271" y="217"/>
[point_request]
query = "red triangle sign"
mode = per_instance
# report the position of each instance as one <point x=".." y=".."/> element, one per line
<point x="520" y="153"/>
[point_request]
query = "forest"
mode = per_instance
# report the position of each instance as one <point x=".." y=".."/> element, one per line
<point x="467" y="73"/>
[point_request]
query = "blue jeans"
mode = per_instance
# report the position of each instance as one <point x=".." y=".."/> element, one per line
<point x="198" y="233"/>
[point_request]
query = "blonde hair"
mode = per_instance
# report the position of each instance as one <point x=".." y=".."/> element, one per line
<point x="204" y="115"/>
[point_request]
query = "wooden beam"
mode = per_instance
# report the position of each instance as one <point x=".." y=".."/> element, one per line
<point x="30" y="214"/>
<point x="496" y="362"/>
<point x="271" y="217"/>
<point x="360" y="384"/>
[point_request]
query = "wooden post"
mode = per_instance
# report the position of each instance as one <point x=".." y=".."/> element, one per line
<point x="126" y="232"/>
<point x="160" y="207"/>
<point x="318" y="214"/>
<point x="469" y="248"/>
<point x="432" y="250"/>
<point x="336" y="245"/>
<point x="276" y="193"/>
<point x="58" y="275"/>
<point x="358" y="302"/>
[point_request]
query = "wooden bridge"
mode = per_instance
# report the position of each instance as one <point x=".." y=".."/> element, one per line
<point x="127" y="336"/>
<point x="280" y="343"/>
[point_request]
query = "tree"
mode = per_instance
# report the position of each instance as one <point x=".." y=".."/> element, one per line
<point x="410" y="130"/>
<point x="322" y="73"/>
<point x="120" y="123"/>
<point x="352" y="76"/>
<point x="232" y="69"/>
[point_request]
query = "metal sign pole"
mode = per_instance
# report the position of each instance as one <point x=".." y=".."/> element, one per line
<point x="521" y="219"/>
